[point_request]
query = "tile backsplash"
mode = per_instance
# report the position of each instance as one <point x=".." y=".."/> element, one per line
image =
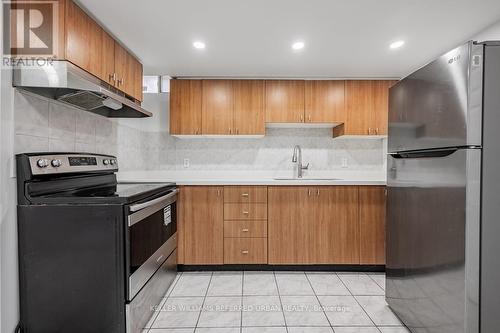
<point x="43" y="125"/>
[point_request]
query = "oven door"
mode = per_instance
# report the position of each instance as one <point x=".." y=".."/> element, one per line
<point x="151" y="238"/>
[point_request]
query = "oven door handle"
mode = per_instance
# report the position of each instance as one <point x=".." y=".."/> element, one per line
<point x="137" y="207"/>
<point x="143" y="210"/>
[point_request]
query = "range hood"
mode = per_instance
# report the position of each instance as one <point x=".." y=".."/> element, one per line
<point x="64" y="82"/>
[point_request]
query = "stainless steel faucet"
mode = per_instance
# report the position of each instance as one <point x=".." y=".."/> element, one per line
<point x="297" y="158"/>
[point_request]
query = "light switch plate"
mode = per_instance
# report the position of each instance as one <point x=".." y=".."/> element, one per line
<point x="186" y="163"/>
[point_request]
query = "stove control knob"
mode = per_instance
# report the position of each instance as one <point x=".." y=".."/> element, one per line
<point x="42" y="163"/>
<point x="113" y="162"/>
<point x="56" y="163"/>
<point x="105" y="162"/>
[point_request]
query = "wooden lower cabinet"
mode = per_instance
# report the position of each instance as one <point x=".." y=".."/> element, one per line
<point x="245" y="250"/>
<point x="201" y="225"/>
<point x="313" y="225"/>
<point x="372" y="225"/>
<point x="301" y="225"/>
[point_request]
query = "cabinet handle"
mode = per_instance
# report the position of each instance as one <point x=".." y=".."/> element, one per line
<point x="376" y="131"/>
<point x="317" y="192"/>
<point x="244" y="194"/>
<point x="245" y="212"/>
<point x="112" y="77"/>
<point x="301" y="118"/>
<point x="244" y="230"/>
<point x="218" y="193"/>
<point x="309" y="118"/>
<point x="309" y="192"/>
<point x="120" y="82"/>
<point x="244" y="252"/>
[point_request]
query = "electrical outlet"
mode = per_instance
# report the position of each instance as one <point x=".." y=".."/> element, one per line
<point x="186" y="163"/>
<point x="343" y="162"/>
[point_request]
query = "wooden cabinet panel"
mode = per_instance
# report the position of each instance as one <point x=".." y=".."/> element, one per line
<point x="324" y="101"/>
<point x="245" y="229"/>
<point x="108" y="58"/>
<point x="201" y="224"/>
<point x="138" y="84"/>
<point x="185" y="107"/>
<point x="121" y="62"/>
<point x="284" y="102"/>
<point x="381" y="106"/>
<point x="313" y="225"/>
<point x="249" y="107"/>
<point x="367" y="104"/>
<point x="372" y="225"/>
<point x="245" y="211"/>
<point x="334" y="225"/>
<point x="359" y="104"/>
<point x="217" y="107"/>
<point x="127" y="84"/>
<point x="77" y="36"/>
<point x="289" y="208"/>
<point x="245" y="250"/>
<point x="95" y="49"/>
<point x="244" y="194"/>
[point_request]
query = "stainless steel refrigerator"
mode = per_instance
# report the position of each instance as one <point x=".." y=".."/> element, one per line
<point x="443" y="205"/>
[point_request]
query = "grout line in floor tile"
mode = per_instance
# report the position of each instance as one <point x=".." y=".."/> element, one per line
<point x="317" y="298"/>
<point x="204" y="298"/>
<point x="281" y="303"/>
<point x="383" y="288"/>
<point x="362" y="308"/>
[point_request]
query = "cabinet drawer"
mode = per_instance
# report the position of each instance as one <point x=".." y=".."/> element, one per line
<point x="245" y="250"/>
<point x="245" y="211"/>
<point x="245" y="228"/>
<point x="235" y="194"/>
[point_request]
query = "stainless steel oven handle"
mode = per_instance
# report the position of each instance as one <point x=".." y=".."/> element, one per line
<point x="137" y="207"/>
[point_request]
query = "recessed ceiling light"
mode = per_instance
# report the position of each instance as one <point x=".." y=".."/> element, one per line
<point x="298" y="45"/>
<point x="397" y="44"/>
<point x="199" y="45"/>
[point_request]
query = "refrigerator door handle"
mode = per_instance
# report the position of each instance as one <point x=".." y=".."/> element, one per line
<point x="425" y="153"/>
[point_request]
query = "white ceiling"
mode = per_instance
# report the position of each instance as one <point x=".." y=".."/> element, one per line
<point x="252" y="38"/>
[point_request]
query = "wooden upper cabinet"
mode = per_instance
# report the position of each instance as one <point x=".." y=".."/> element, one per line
<point x="324" y="101"/>
<point x="108" y="59"/>
<point x="359" y="103"/>
<point x="372" y="225"/>
<point x="367" y="104"/>
<point x="91" y="48"/>
<point x="202" y="225"/>
<point x="217" y="107"/>
<point x="185" y="107"/>
<point x="248" y="107"/>
<point x="381" y="105"/>
<point x="138" y="82"/>
<point x="77" y="36"/>
<point x="284" y="101"/>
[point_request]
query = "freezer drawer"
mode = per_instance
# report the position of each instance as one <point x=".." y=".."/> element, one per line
<point x="433" y="239"/>
<point x="440" y="105"/>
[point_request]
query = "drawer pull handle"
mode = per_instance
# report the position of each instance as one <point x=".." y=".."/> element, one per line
<point x="245" y="212"/>
<point x="244" y="194"/>
<point x="244" y="230"/>
<point x="159" y="258"/>
<point x="244" y="252"/>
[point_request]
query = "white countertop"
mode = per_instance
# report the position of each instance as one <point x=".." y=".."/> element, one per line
<point x="199" y="177"/>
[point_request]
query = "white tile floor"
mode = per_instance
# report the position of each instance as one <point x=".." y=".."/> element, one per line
<point x="275" y="302"/>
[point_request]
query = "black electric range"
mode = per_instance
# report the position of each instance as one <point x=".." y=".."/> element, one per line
<point x="88" y="243"/>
